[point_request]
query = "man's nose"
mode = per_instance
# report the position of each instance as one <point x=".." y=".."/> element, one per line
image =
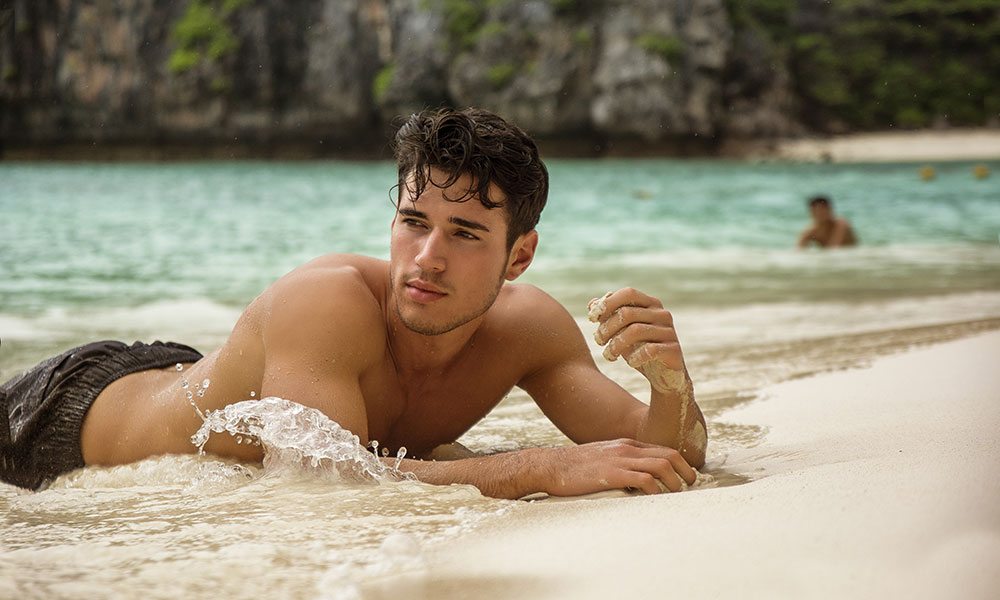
<point x="431" y="255"/>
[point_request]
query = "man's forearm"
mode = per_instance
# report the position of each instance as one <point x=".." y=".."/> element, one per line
<point x="673" y="418"/>
<point x="510" y="475"/>
<point x="564" y="471"/>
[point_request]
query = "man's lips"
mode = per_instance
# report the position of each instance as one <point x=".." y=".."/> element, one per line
<point x="422" y="291"/>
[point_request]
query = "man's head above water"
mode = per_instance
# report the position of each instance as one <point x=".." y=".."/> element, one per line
<point x="499" y="159"/>
<point x="821" y="209"/>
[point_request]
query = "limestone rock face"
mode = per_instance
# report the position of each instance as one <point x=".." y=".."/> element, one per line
<point x="758" y="91"/>
<point x="416" y="64"/>
<point x="659" y="70"/>
<point x="262" y="71"/>
<point x="529" y="65"/>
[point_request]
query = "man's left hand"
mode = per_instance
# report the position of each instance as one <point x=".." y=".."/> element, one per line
<point x="635" y="326"/>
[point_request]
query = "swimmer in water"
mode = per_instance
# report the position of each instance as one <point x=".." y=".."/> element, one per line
<point x="412" y="351"/>
<point x="827" y="230"/>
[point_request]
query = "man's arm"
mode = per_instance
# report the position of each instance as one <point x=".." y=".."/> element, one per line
<point x="841" y="229"/>
<point x="318" y="341"/>
<point x="806" y="236"/>
<point x="566" y="471"/>
<point x="636" y="327"/>
<point x="587" y="406"/>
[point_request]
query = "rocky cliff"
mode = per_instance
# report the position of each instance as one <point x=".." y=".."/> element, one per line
<point x="328" y="76"/>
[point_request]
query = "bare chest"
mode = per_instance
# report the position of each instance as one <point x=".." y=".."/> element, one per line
<point x="422" y="415"/>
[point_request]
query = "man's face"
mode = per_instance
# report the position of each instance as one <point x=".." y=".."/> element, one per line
<point x="820" y="212"/>
<point x="448" y="260"/>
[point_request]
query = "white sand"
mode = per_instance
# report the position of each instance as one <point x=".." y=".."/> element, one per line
<point x="876" y="483"/>
<point x="895" y="146"/>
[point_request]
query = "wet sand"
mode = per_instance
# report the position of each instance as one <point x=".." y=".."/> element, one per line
<point x="869" y="483"/>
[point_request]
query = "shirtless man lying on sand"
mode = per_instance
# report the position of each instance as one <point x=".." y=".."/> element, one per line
<point x="413" y="351"/>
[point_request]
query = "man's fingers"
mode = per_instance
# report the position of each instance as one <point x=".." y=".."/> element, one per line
<point x="667" y="354"/>
<point x="662" y="469"/>
<point x="627" y="315"/>
<point x="682" y="468"/>
<point x="662" y="462"/>
<point x="624" y="297"/>
<point x="640" y="480"/>
<point x="630" y="339"/>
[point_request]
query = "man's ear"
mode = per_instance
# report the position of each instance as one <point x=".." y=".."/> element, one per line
<point x="521" y="255"/>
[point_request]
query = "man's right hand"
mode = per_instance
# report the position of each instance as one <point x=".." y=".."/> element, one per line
<point x="565" y="471"/>
<point x="609" y="465"/>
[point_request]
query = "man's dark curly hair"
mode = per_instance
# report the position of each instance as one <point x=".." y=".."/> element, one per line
<point x="481" y="144"/>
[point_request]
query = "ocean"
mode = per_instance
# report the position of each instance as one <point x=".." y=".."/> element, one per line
<point x="175" y="251"/>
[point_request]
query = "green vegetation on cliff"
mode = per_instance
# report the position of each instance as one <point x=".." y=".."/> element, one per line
<point x="462" y="19"/>
<point x="382" y="81"/>
<point x="203" y="35"/>
<point x="669" y="47"/>
<point x="861" y="64"/>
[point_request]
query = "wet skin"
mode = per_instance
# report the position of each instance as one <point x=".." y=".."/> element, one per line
<point x="414" y="351"/>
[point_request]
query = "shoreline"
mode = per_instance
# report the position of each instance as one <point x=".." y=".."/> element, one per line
<point x="925" y="145"/>
<point x="947" y="145"/>
<point x="871" y="482"/>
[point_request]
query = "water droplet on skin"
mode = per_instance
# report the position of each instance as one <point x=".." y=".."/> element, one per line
<point x="400" y="455"/>
<point x="201" y="393"/>
<point x="194" y="405"/>
<point x="184" y="383"/>
<point x="179" y="367"/>
<point x="205" y="383"/>
<point x="253" y="394"/>
<point x="385" y="452"/>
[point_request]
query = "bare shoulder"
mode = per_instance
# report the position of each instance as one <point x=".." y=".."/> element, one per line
<point x="529" y="306"/>
<point x="537" y="323"/>
<point x="323" y="304"/>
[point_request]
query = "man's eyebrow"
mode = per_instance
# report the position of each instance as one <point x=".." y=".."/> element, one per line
<point x="469" y="224"/>
<point x="410" y="212"/>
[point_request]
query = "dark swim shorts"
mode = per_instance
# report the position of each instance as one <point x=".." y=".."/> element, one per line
<point x="42" y="410"/>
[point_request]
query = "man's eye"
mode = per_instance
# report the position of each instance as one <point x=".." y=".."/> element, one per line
<point x="466" y="235"/>
<point x="412" y="223"/>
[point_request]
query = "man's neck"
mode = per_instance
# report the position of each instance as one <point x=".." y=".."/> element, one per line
<point x="420" y="356"/>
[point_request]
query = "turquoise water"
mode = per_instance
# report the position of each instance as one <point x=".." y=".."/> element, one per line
<point x="716" y="233"/>
<point x="172" y="250"/>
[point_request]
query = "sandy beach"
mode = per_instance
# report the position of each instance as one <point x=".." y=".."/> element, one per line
<point x="889" y="146"/>
<point x="871" y="483"/>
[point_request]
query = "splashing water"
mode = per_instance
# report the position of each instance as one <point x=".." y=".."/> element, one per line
<point x="296" y="437"/>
